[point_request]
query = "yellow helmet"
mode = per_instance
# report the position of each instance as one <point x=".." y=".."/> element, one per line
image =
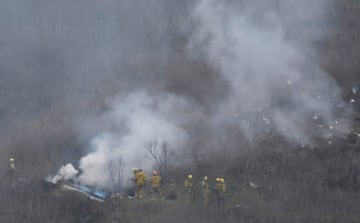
<point x="11" y="160"/>
<point x="134" y="170"/>
<point x="205" y="178"/>
<point x="190" y="176"/>
<point x="222" y="180"/>
<point x="218" y="179"/>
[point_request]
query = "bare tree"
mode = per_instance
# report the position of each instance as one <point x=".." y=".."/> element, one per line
<point x="116" y="171"/>
<point x="158" y="154"/>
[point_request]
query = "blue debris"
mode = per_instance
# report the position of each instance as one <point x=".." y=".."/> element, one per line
<point x="92" y="192"/>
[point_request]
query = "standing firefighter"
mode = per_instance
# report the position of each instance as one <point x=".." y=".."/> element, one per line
<point x="155" y="185"/>
<point x="189" y="185"/>
<point x="11" y="164"/>
<point x="134" y="170"/>
<point x="220" y="189"/>
<point x="205" y="190"/>
<point x="171" y="190"/>
<point x="140" y="180"/>
<point x="10" y="173"/>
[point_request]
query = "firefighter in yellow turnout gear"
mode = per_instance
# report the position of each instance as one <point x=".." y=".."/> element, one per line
<point x="205" y="190"/>
<point x="11" y="164"/>
<point x="140" y="181"/>
<point x="155" y="185"/>
<point x="189" y="185"/>
<point x="134" y="170"/>
<point x="220" y="189"/>
<point x="11" y="171"/>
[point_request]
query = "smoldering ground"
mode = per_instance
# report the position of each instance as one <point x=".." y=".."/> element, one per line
<point x="193" y="74"/>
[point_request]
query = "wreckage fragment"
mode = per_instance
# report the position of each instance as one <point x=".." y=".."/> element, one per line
<point x="88" y="191"/>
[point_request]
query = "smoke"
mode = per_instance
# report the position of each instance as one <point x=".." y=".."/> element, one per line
<point x="76" y="55"/>
<point x="265" y="50"/>
<point x="66" y="172"/>
<point x="190" y="73"/>
<point x="133" y="121"/>
<point x="276" y="86"/>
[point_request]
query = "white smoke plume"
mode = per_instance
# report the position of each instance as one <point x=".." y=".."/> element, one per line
<point x="133" y="120"/>
<point x="66" y="172"/>
<point x="264" y="49"/>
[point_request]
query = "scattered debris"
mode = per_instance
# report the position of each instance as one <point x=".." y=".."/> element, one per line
<point x="118" y="195"/>
<point x="353" y="137"/>
<point x="240" y="206"/>
<point x="352" y="101"/>
<point x="266" y="120"/>
<point x="48" y="184"/>
<point x="355" y="90"/>
<point x="328" y="136"/>
<point x="253" y="185"/>
<point x="90" y="192"/>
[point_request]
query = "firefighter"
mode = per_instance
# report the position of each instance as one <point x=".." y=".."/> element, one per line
<point x="10" y="173"/>
<point x="155" y="184"/>
<point x="134" y="170"/>
<point x="11" y="164"/>
<point x="220" y="189"/>
<point x="140" y="181"/>
<point x="171" y="194"/>
<point x="189" y="186"/>
<point x="205" y="190"/>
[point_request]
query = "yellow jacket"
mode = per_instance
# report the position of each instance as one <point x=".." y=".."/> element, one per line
<point x="11" y="166"/>
<point x="189" y="183"/>
<point x="140" y="178"/>
<point x="220" y="187"/>
<point x="155" y="181"/>
<point x="223" y="187"/>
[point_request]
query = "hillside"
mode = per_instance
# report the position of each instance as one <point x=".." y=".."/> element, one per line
<point x="265" y="95"/>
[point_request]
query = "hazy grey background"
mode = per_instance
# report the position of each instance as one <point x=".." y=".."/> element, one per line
<point x="97" y="79"/>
